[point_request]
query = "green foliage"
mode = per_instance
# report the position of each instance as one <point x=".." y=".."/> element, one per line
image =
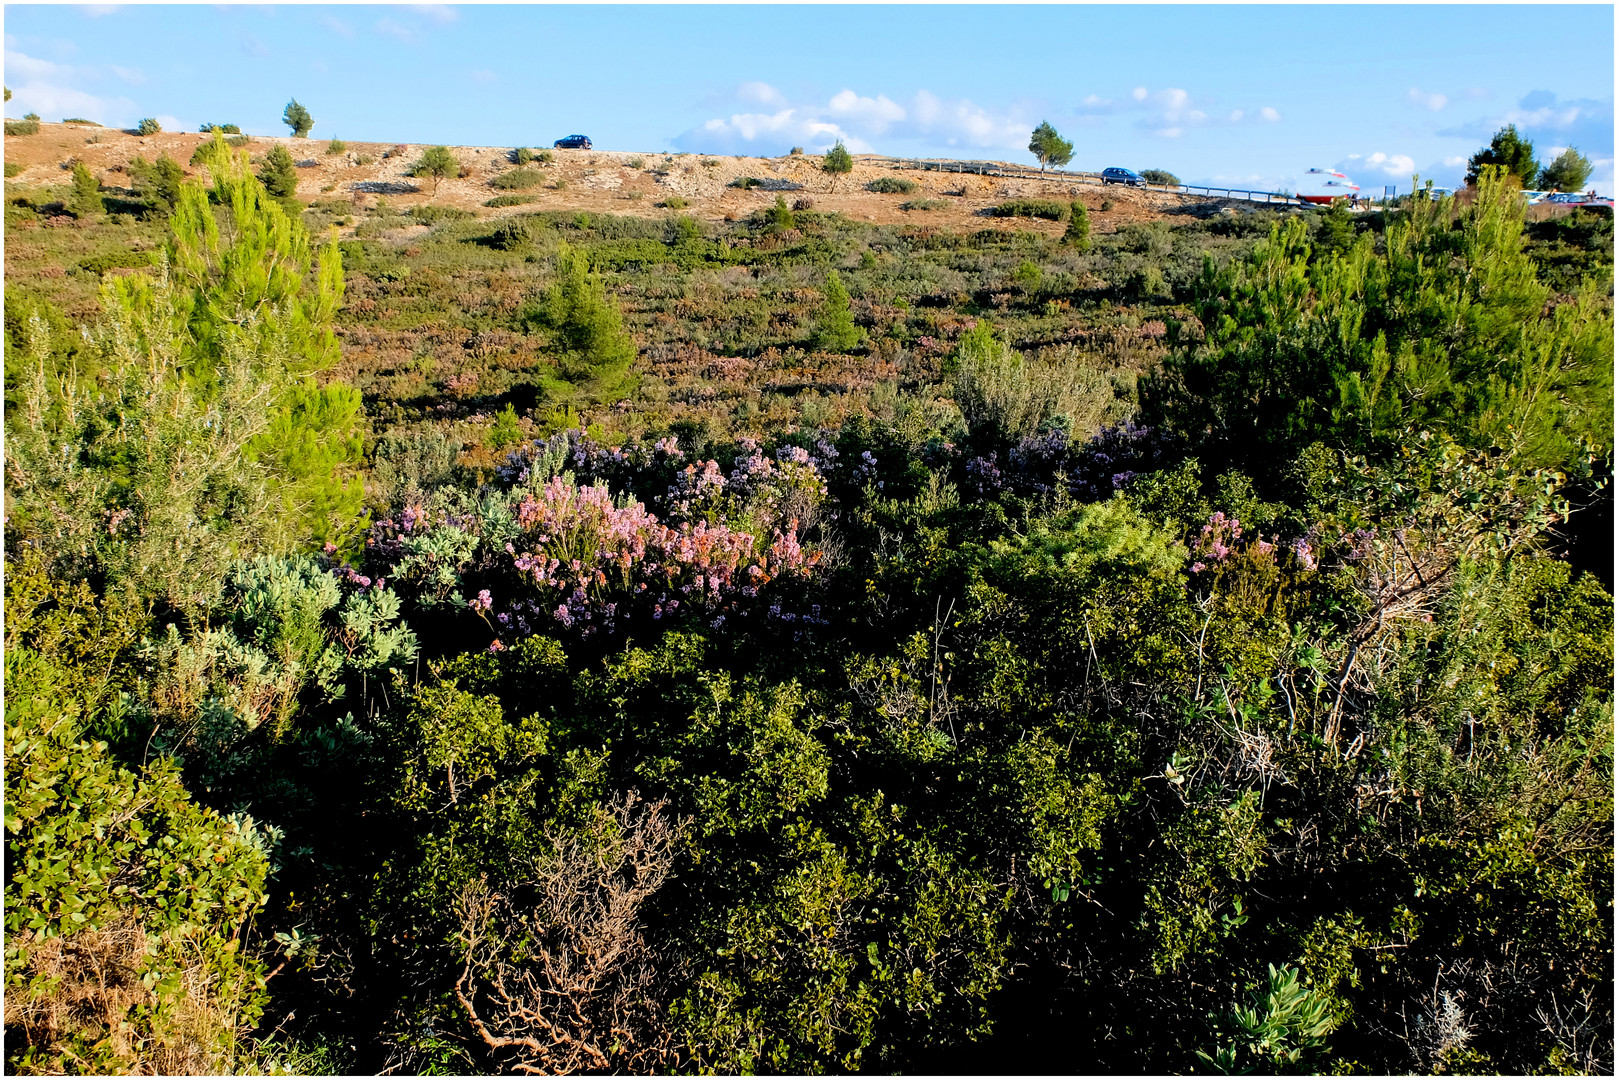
<point x="1160" y="176"/>
<point x="1568" y="172"/>
<point x="85" y="200"/>
<point x="336" y="146"/>
<point x="1283" y="1024"/>
<point x="892" y="185"/>
<point x="674" y="202"/>
<point x="522" y="155"/>
<point x="923" y="204"/>
<point x="428" y="214"/>
<point x="779" y="217"/>
<point x="586" y="328"/>
<point x="125" y="901"/>
<point x="228" y="129"/>
<point x="837" y="162"/>
<point x="510" y="200"/>
<point x="297" y="118"/>
<point x="1078" y="227"/>
<point x="512" y="234"/>
<point x="517" y="180"/>
<point x="1348" y="349"/>
<point x="835" y="330"/>
<point x="14" y="168"/>
<point x="505" y="430"/>
<point x="148" y="126"/>
<point x="437" y="162"/>
<point x="1049" y="147"/>
<point x="157" y="183"/>
<point x="1509" y="152"/>
<point x="278" y="173"/>
<point x="22" y="127"/>
<point x="1049" y="209"/>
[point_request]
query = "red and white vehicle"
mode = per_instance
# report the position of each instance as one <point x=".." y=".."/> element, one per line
<point x="1326" y="186"/>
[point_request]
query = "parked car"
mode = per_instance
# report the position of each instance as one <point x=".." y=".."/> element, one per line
<point x="574" y="142"/>
<point x="1122" y="176"/>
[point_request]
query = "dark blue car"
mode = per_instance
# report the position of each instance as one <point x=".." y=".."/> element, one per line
<point x="574" y="142"/>
<point x="1122" y="176"/>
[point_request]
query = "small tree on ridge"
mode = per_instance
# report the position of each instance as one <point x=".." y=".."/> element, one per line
<point x="297" y="118"/>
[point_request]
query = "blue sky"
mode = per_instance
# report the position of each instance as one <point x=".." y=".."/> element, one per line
<point x="1246" y="96"/>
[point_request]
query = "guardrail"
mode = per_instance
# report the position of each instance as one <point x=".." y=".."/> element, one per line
<point x="995" y="168"/>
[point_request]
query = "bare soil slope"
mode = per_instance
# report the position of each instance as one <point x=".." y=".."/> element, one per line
<point x="608" y="181"/>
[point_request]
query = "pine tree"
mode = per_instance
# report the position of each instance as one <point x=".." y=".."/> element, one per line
<point x="1078" y="227"/>
<point x="436" y="163"/>
<point x="835" y="330"/>
<point x="297" y="118"/>
<point x="1568" y="172"/>
<point x="1509" y="150"/>
<point x="1049" y="147"/>
<point x="838" y="162"/>
<point x="86" y="198"/>
<point x="586" y="327"/>
<point x="278" y="174"/>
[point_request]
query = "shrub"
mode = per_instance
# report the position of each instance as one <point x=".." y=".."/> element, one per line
<point x="778" y="218"/>
<point x="158" y="183"/>
<point x="436" y="162"/>
<point x="544" y="157"/>
<point x="297" y="118"/>
<point x="13" y="168"/>
<point x="148" y="126"/>
<point x="337" y="146"/>
<point x="115" y="260"/>
<point x="746" y="183"/>
<point x="228" y="129"/>
<point x="510" y="200"/>
<point x="86" y="198"/>
<point x="80" y="120"/>
<point x="517" y="180"/>
<point x="710" y="163"/>
<point x="437" y="215"/>
<point x="803" y="202"/>
<point x="22" y="127"/>
<point x="835" y="330"/>
<point x="1078" y="227"/>
<point x="796" y="151"/>
<point x="278" y="174"/>
<point x="365" y="159"/>
<point x="512" y="234"/>
<point x="1106" y="204"/>
<point x="636" y="163"/>
<point x="923" y="204"/>
<point x="521" y="156"/>
<point x="1049" y="209"/>
<point x="505" y="431"/>
<point x="674" y="202"/>
<point x="1160" y="176"/>
<point x="837" y="162"/>
<point x="892" y="185"/>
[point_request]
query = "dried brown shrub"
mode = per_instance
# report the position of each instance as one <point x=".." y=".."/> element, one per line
<point x="557" y="976"/>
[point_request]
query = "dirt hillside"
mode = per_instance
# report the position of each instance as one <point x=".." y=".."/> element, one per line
<point x="608" y="181"/>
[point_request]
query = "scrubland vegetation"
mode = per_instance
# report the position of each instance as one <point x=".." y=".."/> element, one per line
<point x="560" y="642"/>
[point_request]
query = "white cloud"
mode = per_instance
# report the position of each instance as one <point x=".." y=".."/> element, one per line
<point x="760" y="93"/>
<point x="1454" y="162"/>
<point x="57" y="90"/>
<point x="1425" y="100"/>
<point x="1396" y="166"/>
<point x="1139" y="93"/>
<point x="1270" y="115"/>
<point x="170" y="123"/>
<point x="336" y="26"/>
<point x="856" y="119"/>
<point x="1169" y="132"/>
<point x="1235" y="116"/>
<point x="438" y="13"/>
<point x="133" y="76"/>
<point x="95" y="11"/>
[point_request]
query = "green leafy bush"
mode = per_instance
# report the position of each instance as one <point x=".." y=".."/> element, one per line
<point x="892" y="185"/>
<point x="14" y="168"/>
<point x="835" y="330"/>
<point x="510" y="200"/>
<point x="923" y="204"/>
<point x="517" y="180"/>
<point x="1049" y="209"/>
<point x="513" y="234"/>
<point x="428" y="214"/>
<point x="336" y="146"/>
<point x="22" y="127"/>
<point x="674" y="202"/>
<point x="148" y="126"/>
<point x="297" y="118"/>
<point x="1078" y="227"/>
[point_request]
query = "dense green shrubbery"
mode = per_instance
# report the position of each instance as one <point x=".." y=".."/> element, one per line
<point x="1049" y="209"/>
<point x="892" y="185"/>
<point x="517" y="180"/>
<point x="942" y="721"/>
<point x="510" y="200"/>
<point x="148" y="126"/>
<point x="22" y="127"/>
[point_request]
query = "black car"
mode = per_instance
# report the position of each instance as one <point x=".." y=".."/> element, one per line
<point x="574" y="142"/>
<point x="1116" y="176"/>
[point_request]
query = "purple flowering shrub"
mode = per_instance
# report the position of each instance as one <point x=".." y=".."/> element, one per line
<point x="1248" y="570"/>
<point x="559" y="552"/>
<point x="1093" y="470"/>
